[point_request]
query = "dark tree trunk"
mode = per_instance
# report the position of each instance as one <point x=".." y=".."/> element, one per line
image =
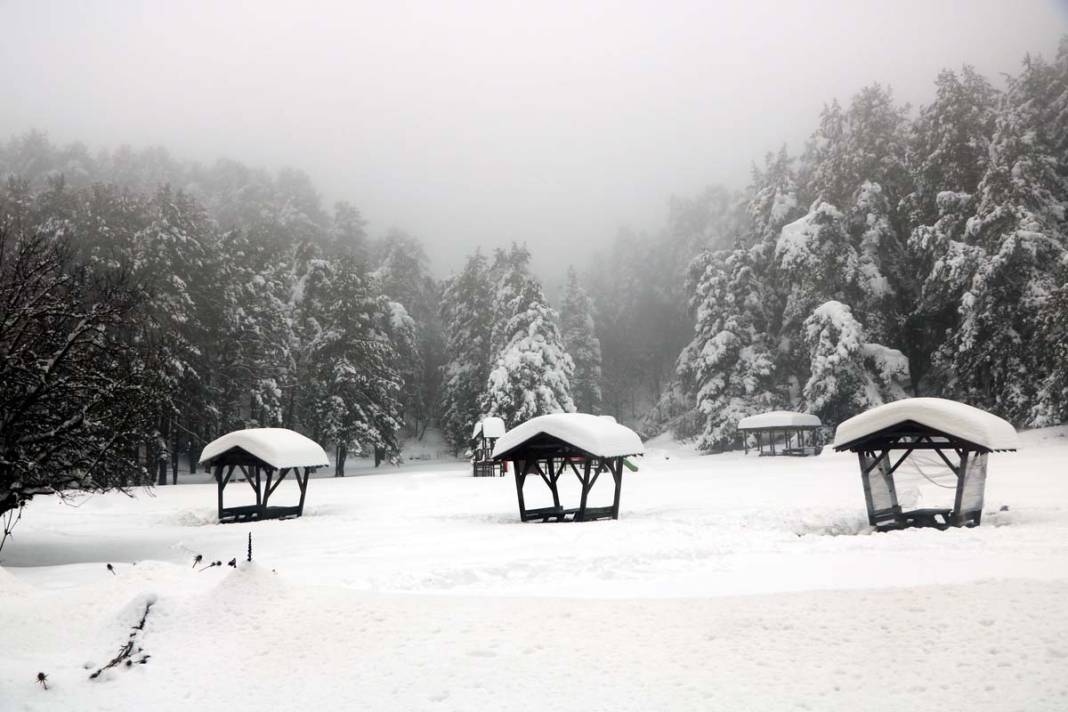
<point x="342" y="454"/>
<point x="161" y="479"/>
<point x="174" y="459"/>
<point x="194" y="456"/>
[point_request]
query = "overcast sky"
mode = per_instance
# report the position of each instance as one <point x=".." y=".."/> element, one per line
<point x="465" y="123"/>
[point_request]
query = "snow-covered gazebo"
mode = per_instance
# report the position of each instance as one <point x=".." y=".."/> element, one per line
<point x="586" y="444"/>
<point x="265" y="456"/>
<point x="485" y="434"/>
<point x="961" y="436"/>
<point x="799" y="432"/>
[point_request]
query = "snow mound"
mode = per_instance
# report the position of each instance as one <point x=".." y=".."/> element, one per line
<point x="950" y="417"/>
<point x="779" y="419"/>
<point x="594" y="434"/>
<point x="278" y="447"/>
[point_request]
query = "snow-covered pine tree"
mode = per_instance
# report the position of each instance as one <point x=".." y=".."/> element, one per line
<point x="466" y="316"/>
<point x="580" y="339"/>
<point x="401" y="273"/>
<point x="508" y="275"/>
<point x="848" y="374"/>
<point x="1020" y="224"/>
<point x="1051" y="401"/>
<point x="774" y="198"/>
<point x="532" y="374"/>
<point x="949" y="142"/>
<point x="348" y="234"/>
<point x="728" y="365"/>
<point x="168" y="256"/>
<point x="816" y="261"/>
<point x="947" y="155"/>
<point x="731" y="367"/>
<point x="350" y="381"/>
<point x="250" y="367"/>
<point x="855" y="162"/>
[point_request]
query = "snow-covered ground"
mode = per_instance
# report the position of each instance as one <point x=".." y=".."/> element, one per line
<point x="729" y="583"/>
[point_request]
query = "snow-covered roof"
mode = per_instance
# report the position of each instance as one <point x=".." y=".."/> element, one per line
<point x="950" y="417"/>
<point x="596" y="435"/>
<point x="779" y="419"/>
<point x="491" y="427"/>
<point x="278" y="447"/>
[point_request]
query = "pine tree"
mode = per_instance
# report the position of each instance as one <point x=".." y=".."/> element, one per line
<point x="169" y="257"/>
<point x="509" y="275"/>
<point x="466" y="316"/>
<point x="947" y="156"/>
<point x="729" y="365"/>
<point x="848" y="374"/>
<point x="855" y="162"/>
<point x="402" y="273"/>
<point x="580" y="339"/>
<point x="532" y="374"/>
<point x="351" y="383"/>
<point x="949" y="142"/>
<point x="817" y="262"/>
<point x="348" y="234"/>
<point x="1020" y="226"/>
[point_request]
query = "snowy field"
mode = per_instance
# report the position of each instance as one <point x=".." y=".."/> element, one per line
<point x="729" y="583"/>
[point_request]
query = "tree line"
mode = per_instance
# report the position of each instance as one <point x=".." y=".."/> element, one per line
<point x="148" y="306"/>
<point x="894" y="256"/>
<point x="138" y="323"/>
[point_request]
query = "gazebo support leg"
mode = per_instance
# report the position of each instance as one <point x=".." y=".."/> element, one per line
<point x="222" y="483"/>
<point x="302" y="483"/>
<point x="580" y="515"/>
<point x="520" y="477"/>
<point x="554" y="475"/>
<point x="219" y="482"/>
<point x="957" y="517"/>
<point x="266" y="493"/>
<point x="615" y="466"/>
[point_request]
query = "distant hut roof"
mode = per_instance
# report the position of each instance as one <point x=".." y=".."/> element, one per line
<point x="491" y="427"/>
<point x="779" y="419"/>
<point x="276" y="447"/>
<point x="946" y="417"/>
<point x="591" y="434"/>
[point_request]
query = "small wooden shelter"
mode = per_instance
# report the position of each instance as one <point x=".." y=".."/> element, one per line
<point x="587" y="445"/>
<point x="483" y="438"/>
<point x="265" y="456"/>
<point x="961" y="436"/>
<point x="798" y="432"/>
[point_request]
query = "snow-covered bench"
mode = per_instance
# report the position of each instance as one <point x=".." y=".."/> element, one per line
<point x="265" y="456"/>
<point x="587" y="445"/>
<point x="961" y="436"/>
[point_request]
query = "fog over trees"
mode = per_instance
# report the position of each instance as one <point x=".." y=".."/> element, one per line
<point x="151" y="303"/>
